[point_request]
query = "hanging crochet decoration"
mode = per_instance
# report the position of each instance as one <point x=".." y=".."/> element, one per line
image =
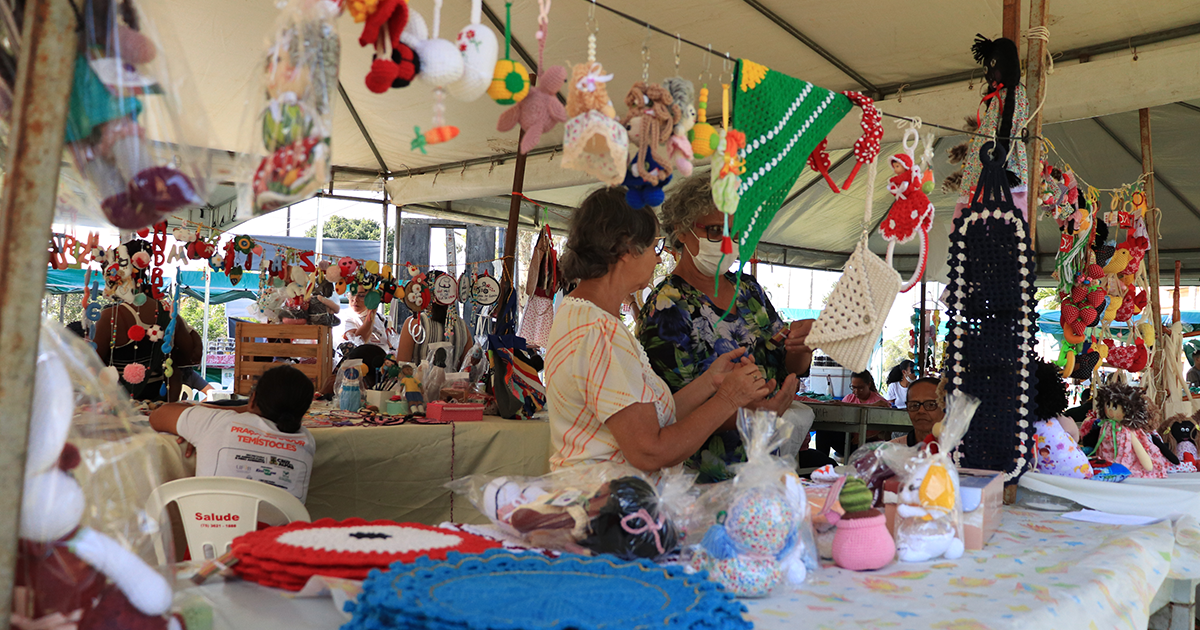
<point x="540" y="110"/>
<point x="441" y="65"/>
<point x="854" y="314"/>
<point x="384" y="23"/>
<point x="703" y="135"/>
<point x="651" y="120"/>
<point x="593" y="140"/>
<point x="912" y="212"/>
<point x="510" y="79"/>
<point x="477" y="44"/>
<point x="783" y="119"/>
<point x="990" y="316"/>
<point x="866" y="148"/>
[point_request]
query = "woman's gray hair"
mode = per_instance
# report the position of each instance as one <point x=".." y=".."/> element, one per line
<point x="690" y="201"/>
<point x="602" y="230"/>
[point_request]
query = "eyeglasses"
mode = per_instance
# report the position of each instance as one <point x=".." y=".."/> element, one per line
<point x="714" y="233"/>
<point x="660" y="245"/>
<point x="929" y="405"/>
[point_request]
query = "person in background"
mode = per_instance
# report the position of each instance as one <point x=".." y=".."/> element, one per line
<point x="192" y="379"/>
<point x="864" y="392"/>
<point x="1193" y="373"/>
<point x="681" y="325"/>
<point x="606" y="403"/>
<point x="1079" y="413"/>
<point x="441" y="323"/>
<point x="363" y="325"/>
<point x="925" y="409"/>
<point x="267" y="430"/>
<point x="898" y="381"/>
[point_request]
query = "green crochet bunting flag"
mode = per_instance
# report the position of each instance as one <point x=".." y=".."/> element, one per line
<point x="784" y="119"/>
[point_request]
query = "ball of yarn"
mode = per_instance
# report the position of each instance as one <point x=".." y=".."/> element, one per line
<point x="134" y="373"/>
<point x="761" y="521"/>
<point x="855" y="497"/>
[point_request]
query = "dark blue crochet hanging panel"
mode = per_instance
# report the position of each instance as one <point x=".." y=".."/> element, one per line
<point x="991" y="324"/>
<point x="499" y="590"/>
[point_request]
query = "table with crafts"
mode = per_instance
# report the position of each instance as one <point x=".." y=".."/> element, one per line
<point x="1040" y="570"/>
<point x="398" y="472"/>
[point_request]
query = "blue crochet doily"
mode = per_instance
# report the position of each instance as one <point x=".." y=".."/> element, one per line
<point x="500" y="590"/>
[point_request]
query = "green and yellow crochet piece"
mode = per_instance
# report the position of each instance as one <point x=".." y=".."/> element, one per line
<point x="784" y="119"/>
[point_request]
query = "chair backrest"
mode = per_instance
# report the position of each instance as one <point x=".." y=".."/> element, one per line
<point x="215" y="510"/>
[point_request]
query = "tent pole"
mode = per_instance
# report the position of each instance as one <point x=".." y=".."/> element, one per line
<point x="1151" y="262"/>
<point x="1012" y="20"/>
<point x="1035" y="80"/>
<point x="204" y="339"/>
<point x="383" y="232"/>
<point x="922" y="354"/>
<point x="35" y="143"/>
<point x="1175" y="316"/>
<point x="320" y="229"/>
<point x="514" y="215"/>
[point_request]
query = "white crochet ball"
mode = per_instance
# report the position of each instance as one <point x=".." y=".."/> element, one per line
<point x="441" y="63"/>
<point x="479" y="49"/>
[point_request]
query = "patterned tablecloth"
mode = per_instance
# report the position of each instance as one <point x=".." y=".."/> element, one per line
<point x="1038" y="571"/>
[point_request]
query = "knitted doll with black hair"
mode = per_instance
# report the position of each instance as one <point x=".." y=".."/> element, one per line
<point x="1125" y="424"/>
<point x="1056" y="449"/>
<point x="1005" y="107"/>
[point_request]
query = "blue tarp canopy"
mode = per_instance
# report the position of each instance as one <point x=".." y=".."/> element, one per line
<point x="221" y="291"/>
<point x="1048" y="321"/>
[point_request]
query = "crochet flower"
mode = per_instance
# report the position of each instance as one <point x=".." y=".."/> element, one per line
<point x="244" y="244"/>
<point x="155" y="333"/>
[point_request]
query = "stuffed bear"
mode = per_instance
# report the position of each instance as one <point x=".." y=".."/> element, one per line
<point x="67" y="572"/>
<point x="925" y="526"/>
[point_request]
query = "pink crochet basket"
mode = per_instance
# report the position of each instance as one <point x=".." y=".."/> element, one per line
<point x="863" y="544"/>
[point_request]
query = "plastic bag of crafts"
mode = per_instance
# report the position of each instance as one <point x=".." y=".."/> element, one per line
<point x="752" y="533"/>
<point x="291" y="118"/>
<point x="928" y="509"/>
<point x="590" y="509"/>
<point x="134" y="127"/>
<point x="87" y="545"/>
<point x="348" y="387"/>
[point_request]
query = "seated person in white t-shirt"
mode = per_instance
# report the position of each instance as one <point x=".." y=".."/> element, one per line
<point x="262" y="440"/>
<point x="898" y="381"/>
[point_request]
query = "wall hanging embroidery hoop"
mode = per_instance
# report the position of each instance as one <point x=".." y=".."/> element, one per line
<point x="853" y="317"/>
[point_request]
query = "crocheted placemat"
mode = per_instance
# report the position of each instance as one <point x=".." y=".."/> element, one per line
<point x="784" y="119"/>
<point x="499" y="590"/>
<point x="353" y="543"/>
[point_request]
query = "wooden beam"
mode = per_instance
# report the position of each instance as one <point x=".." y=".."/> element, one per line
<point x="1035" y="82"/>
<point x="1152" y="255"/>
<point x="1175" y="295"/>
<point x="1012" y="20"/>
<point x="508" y="279"/>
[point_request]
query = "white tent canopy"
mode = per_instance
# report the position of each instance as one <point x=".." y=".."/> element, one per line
<point x="1112" y="58"/>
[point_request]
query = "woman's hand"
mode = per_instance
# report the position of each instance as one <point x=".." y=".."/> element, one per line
<point x="743" y="385"/>
<point x="723" y="365"/>
<point x="782" y="399"/>
<point x="797" y="336"/>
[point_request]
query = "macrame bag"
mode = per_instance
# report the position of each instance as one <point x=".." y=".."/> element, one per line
<point x="852" y="320"/>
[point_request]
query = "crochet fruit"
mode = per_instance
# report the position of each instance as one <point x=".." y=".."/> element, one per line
<point x="510" y="82"/>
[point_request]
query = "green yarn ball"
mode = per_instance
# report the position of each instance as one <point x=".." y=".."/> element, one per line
<point x="855" y="497"/>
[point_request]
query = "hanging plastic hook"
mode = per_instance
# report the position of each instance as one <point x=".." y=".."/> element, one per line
<point x="646" y="55"/>
<point x="707" y="65"/>
<point x="725" y="65"/>
<point x="678" y="47"/>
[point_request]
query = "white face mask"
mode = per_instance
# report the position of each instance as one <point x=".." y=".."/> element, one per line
<point x="708" y="259"/>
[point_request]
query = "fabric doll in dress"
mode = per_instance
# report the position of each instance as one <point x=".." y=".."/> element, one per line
<point x="1125" y="426"/>
<point x="1182" y="437"/>
<point x="912" y="210"/>
<point x="1056" y="451"/>
<point x="412" y="390"/>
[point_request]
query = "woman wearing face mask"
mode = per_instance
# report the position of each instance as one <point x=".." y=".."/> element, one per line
<point x="681" y="326"/>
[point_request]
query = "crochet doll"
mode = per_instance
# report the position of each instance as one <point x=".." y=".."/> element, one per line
<point x="1182" y="437"/>
<point x="912" y="209"/>
<point x="651" y="120"/>
<point x="679" y="149"/>
<point x="1056" y="451"/>
<point x="1125" y="425"/>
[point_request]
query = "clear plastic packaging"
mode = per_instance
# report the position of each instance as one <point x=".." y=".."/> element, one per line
<point x="752" y="533"/>
<point x="348" y="385"/>
<point x="87" y="545"/>
<point x="292" y="122"/>
<point x="594" y="509"/>
<point x="928" y="510"/>
<point x="134" y="129"/>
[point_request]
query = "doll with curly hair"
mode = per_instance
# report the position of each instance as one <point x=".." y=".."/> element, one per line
<point x="651" y="120"/>
<point x="1125" y="425"/>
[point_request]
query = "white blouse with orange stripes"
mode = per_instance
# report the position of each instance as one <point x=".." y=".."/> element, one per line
<point x="595" y="367"/>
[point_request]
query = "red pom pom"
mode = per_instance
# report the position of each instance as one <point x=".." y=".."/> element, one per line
<point x="134" y="373"/>
<point x="726" y="245"/>
<point x="382" y="73"/>
<point x="137" y="333"/>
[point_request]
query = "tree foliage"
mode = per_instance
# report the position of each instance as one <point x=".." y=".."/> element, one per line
<point x="353" y="229"/>
<point x="192" y="312"/>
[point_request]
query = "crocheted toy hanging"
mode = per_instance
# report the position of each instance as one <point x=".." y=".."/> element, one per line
<point x="540" y="110"/>
<point x="783" y="118"/>
<point x="912" y="212"/>
<point x="286" y="556"/>
<point x="593" y="141"/>
<point x="441" y="65"/>
<point x="510" y="79"/>
<point x="990" y="316"/>
<point x="384" y="22"/>
<point x="573" y="592"/>
<point x="854" y="314"/>
<point x="477" y="44"/>
<point x="726" y="174"/>
<point x="679" y="149"/>
<point x="703" y="135"/>
<point x="651" y="120"/>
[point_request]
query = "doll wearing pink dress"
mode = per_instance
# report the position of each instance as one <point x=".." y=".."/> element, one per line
<point x="1125" y="431"/>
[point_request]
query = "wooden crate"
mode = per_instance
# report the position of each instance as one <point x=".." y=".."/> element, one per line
<point x="258" y="345"/>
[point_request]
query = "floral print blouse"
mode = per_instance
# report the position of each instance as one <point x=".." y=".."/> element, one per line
<point x="682" y="332"/>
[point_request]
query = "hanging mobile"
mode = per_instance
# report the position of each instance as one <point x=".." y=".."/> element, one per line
<point x="727" y="169"/>
<point x="510" y="79"/>
<point x="703" y="135"/>
<point x="441" y="65"/>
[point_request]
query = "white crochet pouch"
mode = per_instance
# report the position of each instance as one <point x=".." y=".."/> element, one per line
<point x="852" y="320"/>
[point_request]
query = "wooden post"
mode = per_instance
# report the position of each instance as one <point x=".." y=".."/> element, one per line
<point x="1012" y="20"/>
<point x="922" y="353"/>
<point x="1151" y="262"/>
<point x="1035" y="82"/>
<point x="510" y="233"/>
<point x="49" y="44"/>
<point x="1175" y="315"/>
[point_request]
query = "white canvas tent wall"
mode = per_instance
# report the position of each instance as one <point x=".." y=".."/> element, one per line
<point x="1114" y="57"/>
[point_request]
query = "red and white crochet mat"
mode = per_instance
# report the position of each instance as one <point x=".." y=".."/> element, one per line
<point x="286" y="556"/>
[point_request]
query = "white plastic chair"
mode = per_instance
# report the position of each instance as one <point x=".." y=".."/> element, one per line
<point x="215" y="510"/>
